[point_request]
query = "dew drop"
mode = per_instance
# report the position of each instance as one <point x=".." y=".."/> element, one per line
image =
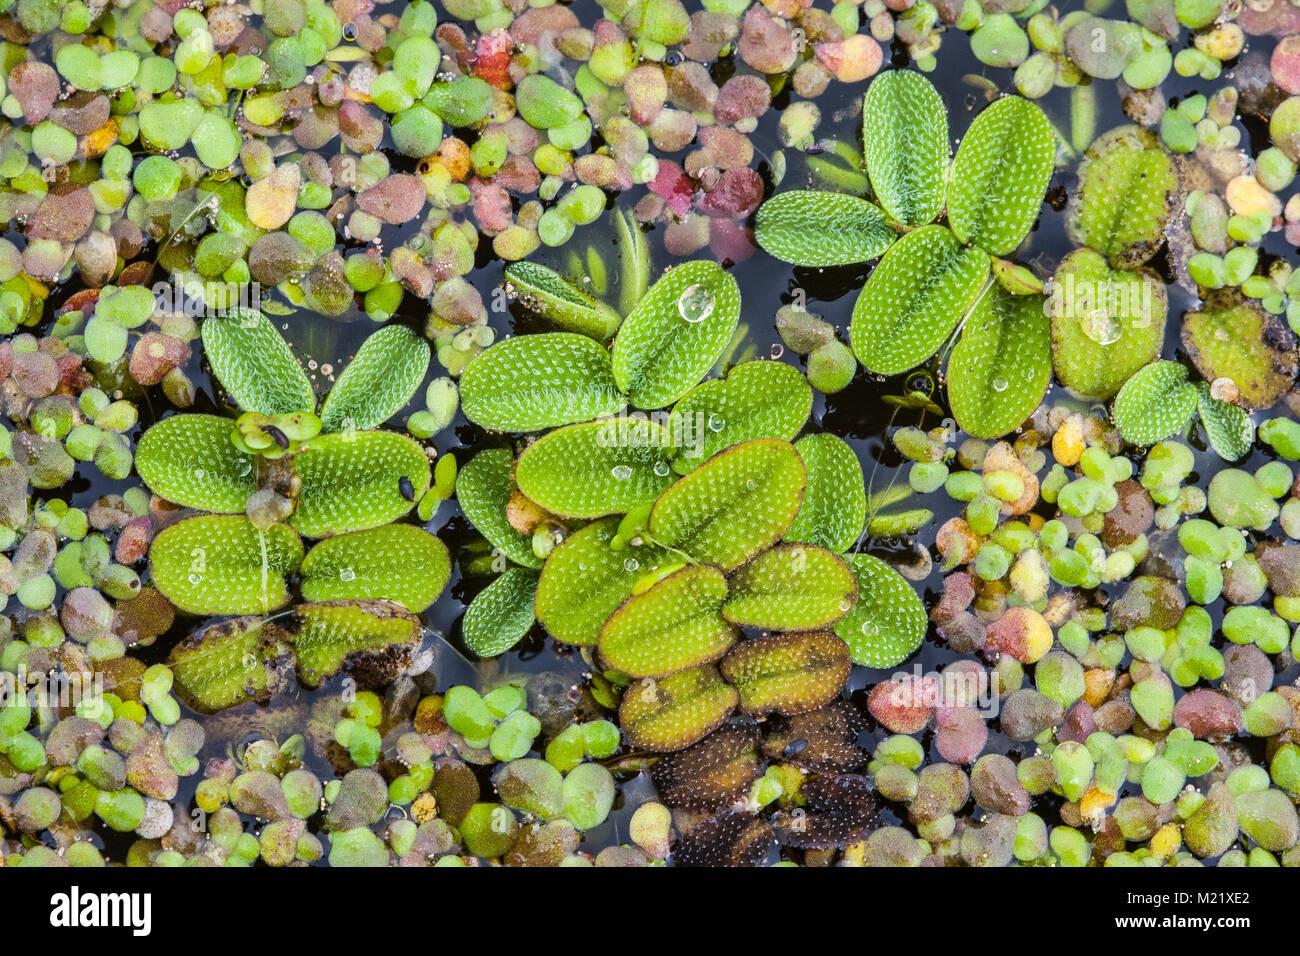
<point x="621" y="472"/>
<point x="999" y="385"/>
<point x="869" y="628"/>
<point x="695" y="304"/>
<point x="716" y="423"/>
<point x="1099" y="326"/>
<point x="662" y="468"/>
<point x="347" y="574"/>
<point x="631" y="564"/>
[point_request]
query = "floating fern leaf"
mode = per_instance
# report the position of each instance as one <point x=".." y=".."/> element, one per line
<point x="501" y="614"/>
<point x="380" y="379"/>
<point x="396" y="562"/>
<point x="792" y="587"/>
<point x="1155" y="403"/>
<point x="809" y="228"/>
<point x="221" y="564"/>
<point x="834" y="507"/>
<point x="1232" y="338"/>
<point x="189" y="460"/>
<point x="889" y="622"/>
<point x="1228" y="427"/>
<point x="634" y="263"/>
<point x="558" y="301"/>
<point x="905" y="140"/>
<point x="255" y="365"/>
<point x="357" y="480"/>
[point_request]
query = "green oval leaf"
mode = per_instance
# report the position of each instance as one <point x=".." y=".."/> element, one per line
<point x="374" y="640"/>
<point x="834" y="508"/>
<point x="1233" y="338"/>
<point x="1001" y="366"/>
<point x="501" y="614"/>
<point x="888" y="623"/>
<point x="1000" y="175"/>
<point x="584" y="581"/>
<point x="788" y="673"/>
<point x="190" y="460"/>
<point x="905" y="140"/>
<point x="1155" y="403"/>
<point x="483" y="489"/>
<point x="1127" y="192"/>
<point x="397" y="562"/>
<point x="673" y="625"/>
<point x="914" y="299"/>
<point x="255" y="365"/>
<point x="675" y="333"/>
<point x="1228" y="427"/>
<point x="357" y="480"/>
<point x="221" y="564"/>
<point x="1106" y="324"/>
<point x="734" y="505"/>
<point x="532" y="382"/>
<point x="381" y="378"/>
<point x="671" y="713"/>
<point x="597" y="468"/>
<point x="548" y="294"/>
<point x="813" y="228"/>
<point x="756" y="400"/>
<point x="792" y="587"/>
<point x="634" y="262"/>
<point x="230" y="663"/>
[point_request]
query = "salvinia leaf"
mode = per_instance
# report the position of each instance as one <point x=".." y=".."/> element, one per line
<point x="787" y="673"/>
<point x="734" y="505"/>
<point x="531" y="382"/>
<point x="221" y="564"/>
<point x="1233" y="338"/>
<point x="1228" y="427"/>
<point x="834" y="507"/>
<point x="396" y="562"/>
<point x="1158" y="401"/>
<point x="905" y="140"/>
<point x="190" y="460"/>
<point x="809" y="228"/>
<point x="557" y="300"/>
<point x="381" y="378"/>
<point x="888" y="623"/>
<point x="671" y="713"/>
<point x="675" y="334"/>
<point x="634" y="262"/>
<point x="673" y="625"/>
<point x="483" y="488"/>
<point x="758" y="399"/>
<point x="1001" y="366"/>
<point x="1000" y="175"/>
<point x="792" y="587"/>
<point x="914" y="299"/>
<point x="255" y="365"/>
<point x="230" y="663"/>
<point x="357" y="480"/>
<point x="597" y="468"/>
<point x="374" y="640"/>
<point x="501" y="614"/>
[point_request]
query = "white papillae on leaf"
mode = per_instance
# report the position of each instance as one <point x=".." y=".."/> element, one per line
<point x="1158" y="401"/>
<point x="396" y="562"/>
<point x="558" y="301"/>
<point x="634" y="260"/>
<point x="914" y="299"/>
<point x="381" y="378"/>
<point x="357" y="480"/>
<point x="792" y="587"/>
<point x="532" y="382"/>
<point x="190" y="460"/>
<point x="329" y="634"/>
<point x="501" y="614"/>
<point x="678" y="330"/>
<point x="221" y="564"/>
<point x="734" y="505"/>
<point x="673" y="625"/>
<point x="834" y="509"/>
<point x="1228" y="427"/>
<point x="483" y="489"/>
<point x="1001" y="366"/>
<point x="905" y="145"/>
<point x="671" y="713"/>
<point x="1000" y="175"/>
<point x="816" y="229"/>
<point x="255" y="365"/>
<point x="888" y="623"/>
<point x="597" y="468"/>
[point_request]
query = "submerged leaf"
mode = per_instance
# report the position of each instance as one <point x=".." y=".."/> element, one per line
<point x="834" y="507"/>
<point x="1001" y="366"/>
<point x="914" y="299"/>
<point x="584" y="581"/>
<point x="793" y="587"/>
<point x="734" y="505"/>
<point x="788" y="673"/>
<point x="1106" y="324"/>
<point x="398" y="562"/>
<point x="1228" y="427"/>
<point x="809" y="228"/>
<point x="189" y="460"/>
<point x="1155" y="403"/>
<point x="255" y="365"/>
<point x="483" y="489"/>
<point x="905" y="140"/>
<point x="597" y="468"/>
<point x="357" y="480"/>
<point x="381" y="378"/>
<point x="756" y="400"/>
<point x="675" y="333"/>
<point x="372" y="640"/>
<point x="501" y="614"/>
<point x="889" y="622"/>
<point x="221" y="564"/>
<point x="671" y="713"/>
<point x="673" y="625"/>
<point x="1233" y="338"/>
<point x="634" y="262"/>
<point x="531" y="382"/>
<point x="558" y="301"/>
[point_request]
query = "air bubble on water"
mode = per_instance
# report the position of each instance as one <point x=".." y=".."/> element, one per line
<point x="1099" y="326"/>
<point x="621" y="472"/>
<point x="661" y="468"/>
<point x="347" y="574"/>
<point x="777" y="350"/>
<point x="631" y="564"/>
<point x="695" y="304"/>
<point x="999" y="385"/>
